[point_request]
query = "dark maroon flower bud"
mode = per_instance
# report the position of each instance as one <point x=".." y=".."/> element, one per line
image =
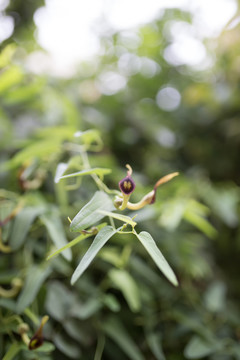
<point x="127" y="185"/>
<point x="37" y="340"/>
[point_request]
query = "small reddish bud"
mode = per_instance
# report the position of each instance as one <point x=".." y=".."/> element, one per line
<point x="37" y="340"/>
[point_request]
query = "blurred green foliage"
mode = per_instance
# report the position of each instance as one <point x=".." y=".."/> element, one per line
<point x="121" y="307"/>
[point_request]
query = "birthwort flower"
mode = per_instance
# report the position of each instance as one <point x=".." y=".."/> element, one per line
<point x="127" y="186"/>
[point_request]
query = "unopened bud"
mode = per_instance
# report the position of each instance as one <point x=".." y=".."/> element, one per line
<point x="37" y="340"/>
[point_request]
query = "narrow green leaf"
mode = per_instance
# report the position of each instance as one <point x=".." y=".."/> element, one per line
<point x="201" y="223"/>
<point x="172" y="213"/>
<point x="100" y="347"/>
<point x="85" y="310"/>
<point x="116" y="331"/>
<point x="97" y="171"/>
<point x="72" y="328"/>
<point x="151" y="247"/>
<point x="123" y="281"/>
<point x="155" y="344"/>
<point x="59" y="301"/>
<point x="88" y="215"/>
<point x="198" y="348"/>
<point x="12" y="351"/>
<point x="111" y="302"/>
<point x="215" y="297"/>
<point x="100" y="240"/>
<point x="124" y="218"/>
<point x="235" y="350"/>
<point x="57" y="233"/>
<point x="22" y="224"/>
<point x="24" y="93"/>
<point x="67" y="346"/>
<point x="35" y="278"/>
<point x="40" y="149"/>
<point x="111" y="255"/>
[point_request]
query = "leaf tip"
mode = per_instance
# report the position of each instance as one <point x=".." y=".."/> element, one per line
<point x="73" y="280"/>
<point x="175" y="282"/>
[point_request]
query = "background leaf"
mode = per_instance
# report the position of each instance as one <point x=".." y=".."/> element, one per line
<point x="116" y="331"/>
<point x="35" y="278"/>
<point x="123" y="281"/>
<point x="215" y="297"/>
<point x="22" y="224"/>
<point x="67" y="346"/>
<point x="155" y="343"/>
<point x="14" y="349"/>
<point x="59" y="301"/>
<point x="10" y="77"/>
<point x="56" y="231"/>
<point x="198" y="348"/>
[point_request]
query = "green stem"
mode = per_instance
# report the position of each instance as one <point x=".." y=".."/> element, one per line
<point x="112" y="222"/>
<point x="100" y="347"/>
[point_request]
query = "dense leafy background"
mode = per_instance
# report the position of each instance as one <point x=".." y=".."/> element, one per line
<point x="122" y="305"/>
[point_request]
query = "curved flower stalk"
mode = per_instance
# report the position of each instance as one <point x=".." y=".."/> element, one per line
<point x="127" y="186"/>
<point x="16" y="284"/>
<point x="150" y="198"/>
